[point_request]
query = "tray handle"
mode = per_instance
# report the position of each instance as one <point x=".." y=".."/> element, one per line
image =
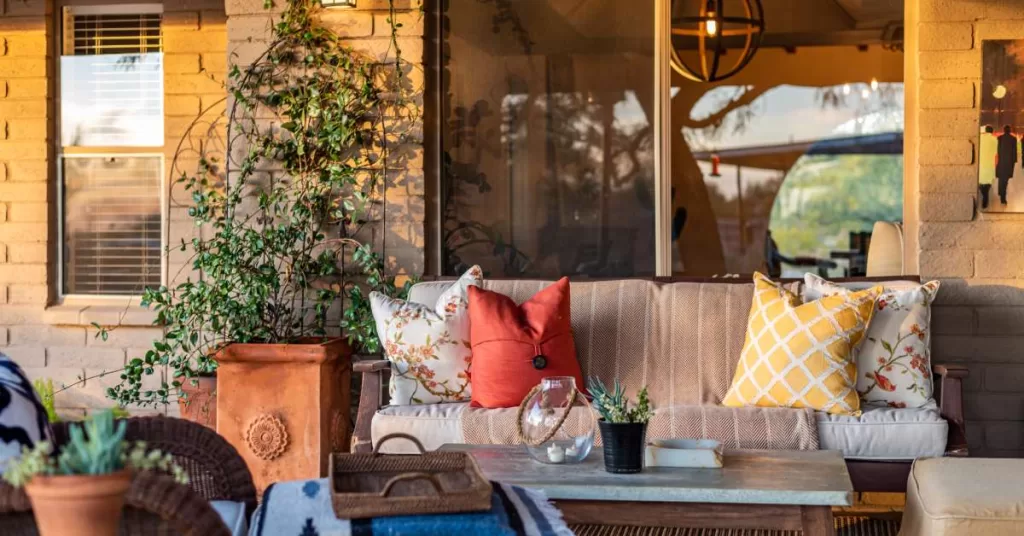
<point x="412" y="476"/>
<point x="397" y="435"/>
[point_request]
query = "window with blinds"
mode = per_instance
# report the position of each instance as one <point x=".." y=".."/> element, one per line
<point x="111" y="107"/>
<point x="112" y="80"/>
<point x="112" y="224"/>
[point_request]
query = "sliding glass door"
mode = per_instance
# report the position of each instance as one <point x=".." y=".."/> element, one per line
<point x="549" y="137"/>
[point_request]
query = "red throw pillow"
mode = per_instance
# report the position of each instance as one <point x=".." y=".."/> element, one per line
<point x="514" y="347"/>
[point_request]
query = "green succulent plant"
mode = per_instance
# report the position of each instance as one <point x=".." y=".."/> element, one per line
<point x="614" y="405"/>
<point x="95" y="447"/>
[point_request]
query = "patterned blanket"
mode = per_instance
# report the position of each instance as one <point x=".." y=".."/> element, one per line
<point x="303" y="508"/>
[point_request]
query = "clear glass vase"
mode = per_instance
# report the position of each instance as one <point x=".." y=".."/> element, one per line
<point x="557" y="423"/>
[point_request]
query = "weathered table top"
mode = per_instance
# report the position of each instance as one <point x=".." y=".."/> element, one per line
<point x="808" y="478"/>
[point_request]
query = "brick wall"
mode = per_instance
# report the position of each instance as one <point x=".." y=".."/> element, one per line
<point x="54" y="340"/>
<point x="51" y="340"/>
<point x="399" y="229"/>
<point x="979" y="317"/>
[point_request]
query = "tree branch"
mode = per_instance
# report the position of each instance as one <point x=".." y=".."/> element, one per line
<point x="715" y="119"/>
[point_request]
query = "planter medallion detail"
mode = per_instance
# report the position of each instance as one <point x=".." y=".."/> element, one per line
<point x="267" y="437"/>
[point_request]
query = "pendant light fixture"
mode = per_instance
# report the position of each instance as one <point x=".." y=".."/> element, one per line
<point x="705" y="27"/>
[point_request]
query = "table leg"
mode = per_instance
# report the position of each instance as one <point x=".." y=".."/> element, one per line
<point x="817" y="521"/>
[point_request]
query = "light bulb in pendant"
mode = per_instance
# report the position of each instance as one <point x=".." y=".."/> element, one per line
<point x="711" y="26"/>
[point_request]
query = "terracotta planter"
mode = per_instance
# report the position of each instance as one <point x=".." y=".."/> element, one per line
<point x="285" y="407"/>
<point x="78" y="505"/>
<point x="200" y="401"/>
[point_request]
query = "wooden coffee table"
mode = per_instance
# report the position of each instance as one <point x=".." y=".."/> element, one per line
<point x="756" y="489"/>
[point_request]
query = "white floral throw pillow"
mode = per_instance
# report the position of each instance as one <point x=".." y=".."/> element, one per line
<point x="894" y="361"/>
<point x="428" y="346"/>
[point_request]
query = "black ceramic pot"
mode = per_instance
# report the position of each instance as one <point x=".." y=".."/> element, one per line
<point x="623" y="446"/>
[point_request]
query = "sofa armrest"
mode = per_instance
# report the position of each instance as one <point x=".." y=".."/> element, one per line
<point x="370" y="400"/>
<point x="951" y="406"/>
<point x="371" y="365"/>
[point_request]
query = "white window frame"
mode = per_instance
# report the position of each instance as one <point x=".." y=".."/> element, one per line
<point x="662" y="138"/>
<point x="64" y="153"/>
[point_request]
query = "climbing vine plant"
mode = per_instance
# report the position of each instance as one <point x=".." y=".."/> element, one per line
<point x="278" y="208"/>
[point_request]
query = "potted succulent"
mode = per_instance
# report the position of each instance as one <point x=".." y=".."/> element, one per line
<point x="623" y="428"/>
<point x="81" y="489"/>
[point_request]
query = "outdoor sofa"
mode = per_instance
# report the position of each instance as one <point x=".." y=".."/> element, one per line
<point x="682" y="338"/>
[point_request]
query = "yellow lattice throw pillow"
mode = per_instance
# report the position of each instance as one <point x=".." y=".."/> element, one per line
<point x="801" y="355"/>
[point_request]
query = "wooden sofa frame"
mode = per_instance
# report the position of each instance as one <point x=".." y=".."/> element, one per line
<point x="866" y="475"/>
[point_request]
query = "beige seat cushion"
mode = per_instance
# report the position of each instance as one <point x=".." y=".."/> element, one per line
<point x="749" y="428"/>
<point x="433" y="424"/>
<point x="965" y="496"/>
<point x="436" y="424"/>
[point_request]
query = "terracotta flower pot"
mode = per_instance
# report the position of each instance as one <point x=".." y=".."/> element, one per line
<point x="200" y="401"/>
<point x="78" y="505"/>
<point x="285" y="407"/>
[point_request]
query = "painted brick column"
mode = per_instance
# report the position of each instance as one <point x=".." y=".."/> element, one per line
<point x="979" y="315"/>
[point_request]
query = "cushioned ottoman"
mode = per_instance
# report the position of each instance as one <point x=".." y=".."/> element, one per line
<point x="964" y="496"/>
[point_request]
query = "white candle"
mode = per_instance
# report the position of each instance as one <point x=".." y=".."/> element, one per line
<point x="556" y="454"/>
<point x="571" y="452"/>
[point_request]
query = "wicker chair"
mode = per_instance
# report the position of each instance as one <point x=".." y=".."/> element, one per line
<point x="155" y="503"/>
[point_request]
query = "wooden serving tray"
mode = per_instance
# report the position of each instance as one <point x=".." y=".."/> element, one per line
<point x="378" y="485"/>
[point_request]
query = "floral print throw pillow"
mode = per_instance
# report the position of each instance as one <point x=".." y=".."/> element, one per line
<point x="428" y="346"/>
<point x="894" y="361"/>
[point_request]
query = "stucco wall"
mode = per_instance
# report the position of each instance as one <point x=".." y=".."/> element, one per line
<point x="979" y="315"/>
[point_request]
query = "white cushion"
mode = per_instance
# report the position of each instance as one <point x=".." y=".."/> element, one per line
<point x="432" y="424"/>
<point x="428" y="345"/>
<point x="427" y="292"/>
<point x="894" y="361"/>
<point x="233" y="515"/>
<point x="883" y="433"/>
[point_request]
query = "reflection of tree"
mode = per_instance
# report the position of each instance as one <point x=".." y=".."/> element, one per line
<point x="826" y="197"/>
<point x="463" y="181"/>
<point x="583" y="172"/>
